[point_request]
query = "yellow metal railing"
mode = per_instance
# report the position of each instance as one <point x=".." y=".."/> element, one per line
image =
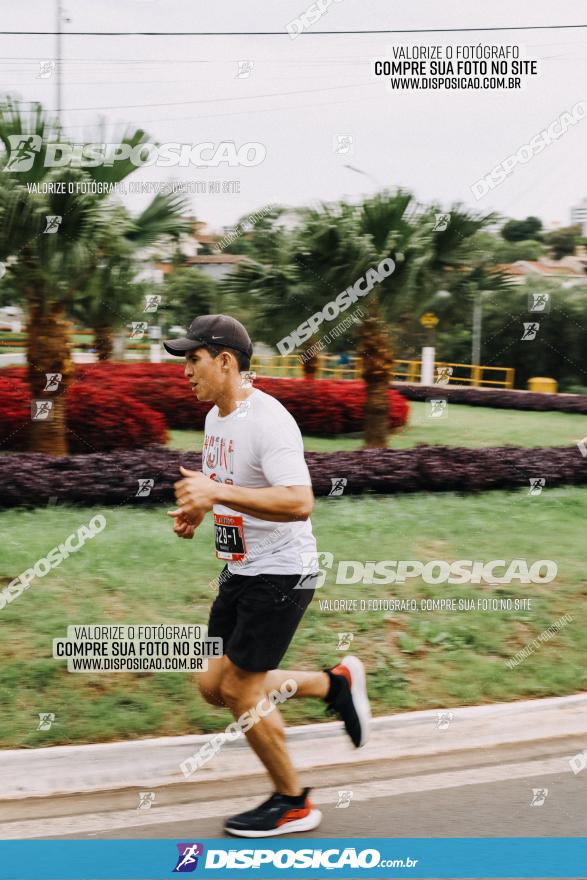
<point x="403" y="370"/>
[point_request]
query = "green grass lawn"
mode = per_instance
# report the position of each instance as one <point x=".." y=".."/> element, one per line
<point x="137" y="571"/>
<point x="463" y="426"/>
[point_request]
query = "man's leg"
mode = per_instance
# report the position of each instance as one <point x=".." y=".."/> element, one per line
<point x="209" y="682"/>
<point x="310" y="684"/>
<point x="242" y="691"/>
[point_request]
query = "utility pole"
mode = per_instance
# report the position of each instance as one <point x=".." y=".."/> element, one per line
<point x="58" y="65"/>
<point x="477" y="318"/>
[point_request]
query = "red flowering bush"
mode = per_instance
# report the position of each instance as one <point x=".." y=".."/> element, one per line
<point x="15" y="412"/>
<point x="126" y="406"/>
<point x="99" y="418"/>
<point x="102" y="419"/>
<point x="320" y="407"/>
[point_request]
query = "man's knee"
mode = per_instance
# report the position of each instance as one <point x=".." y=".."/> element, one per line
<point x="210" y="691"/>
<point x="239" y="687"/>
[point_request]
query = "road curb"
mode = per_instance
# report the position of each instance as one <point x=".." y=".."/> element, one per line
<point x="151" y="763"/>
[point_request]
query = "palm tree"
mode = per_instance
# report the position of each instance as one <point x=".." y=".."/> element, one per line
<point x="113" y="295"/>
<point x="393" y="225"/>
<point x="53" y="260"/>
<point x="333" y="247"/>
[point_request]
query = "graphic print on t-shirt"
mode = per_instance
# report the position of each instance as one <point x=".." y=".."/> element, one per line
<point x="265" y="449"/>
<point x="218" y="453"/>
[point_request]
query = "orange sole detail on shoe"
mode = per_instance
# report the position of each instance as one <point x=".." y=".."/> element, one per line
<point x="342" y="670"/>
<point x="296" y="813"/>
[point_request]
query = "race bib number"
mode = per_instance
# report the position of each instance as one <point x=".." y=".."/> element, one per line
<point x="230" y="537"/>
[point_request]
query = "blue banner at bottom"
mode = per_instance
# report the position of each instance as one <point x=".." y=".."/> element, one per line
<point x="511" y="857"/>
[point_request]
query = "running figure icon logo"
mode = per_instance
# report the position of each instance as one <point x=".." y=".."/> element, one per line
<point x="187" y="860"/>
<point x="537" y="484"/>
<point x="530" y="331"/>
<point x="46" y="719"/>
<point x="539" y="795"/>
<point x="338" y="485"/>
<point x="539" y="302"/>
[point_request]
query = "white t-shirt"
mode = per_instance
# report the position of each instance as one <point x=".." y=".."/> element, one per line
<point x="257" y="445"/>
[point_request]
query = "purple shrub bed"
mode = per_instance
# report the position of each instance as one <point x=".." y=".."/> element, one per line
<point x="112" y="478"/>
<point x="499" y="399"/>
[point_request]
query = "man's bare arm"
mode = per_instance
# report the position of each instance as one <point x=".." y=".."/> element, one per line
<point x="274" y="503"/>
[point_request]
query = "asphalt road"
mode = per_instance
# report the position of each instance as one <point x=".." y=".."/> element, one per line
<point x="494" y="796"/>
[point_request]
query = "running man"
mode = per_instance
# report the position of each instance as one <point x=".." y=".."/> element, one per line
<point x="257" y="485"/>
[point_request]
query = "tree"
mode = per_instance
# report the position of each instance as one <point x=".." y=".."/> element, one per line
<point x="332" y="248"/>
<point x="430" y="249"/>
<point x="563" y="242"/>
<point x="54" y="228"/>
<point x="113" y="296"/>
<point x="521" y="230"/>
<point x="189" y="292"/>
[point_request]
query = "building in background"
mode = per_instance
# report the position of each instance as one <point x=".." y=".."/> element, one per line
<point x="579" y="215"/>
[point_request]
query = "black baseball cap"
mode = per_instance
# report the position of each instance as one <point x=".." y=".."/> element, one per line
<point x="219" y="330"/>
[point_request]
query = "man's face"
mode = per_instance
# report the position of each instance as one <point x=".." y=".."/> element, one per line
<point x="204" y="373"/>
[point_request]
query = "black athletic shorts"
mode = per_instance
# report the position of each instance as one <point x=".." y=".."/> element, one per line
<point x="257" y="616"/>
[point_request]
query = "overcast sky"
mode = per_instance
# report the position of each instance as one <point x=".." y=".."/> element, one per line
<point x="302" y="94"/>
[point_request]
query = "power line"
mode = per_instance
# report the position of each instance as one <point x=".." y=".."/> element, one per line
<point x="239" y="98"/>
<point x="306" y="33"/>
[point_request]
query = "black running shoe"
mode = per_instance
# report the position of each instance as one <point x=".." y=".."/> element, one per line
<point x="347" y="698"/>
<point x="278" y="815"/>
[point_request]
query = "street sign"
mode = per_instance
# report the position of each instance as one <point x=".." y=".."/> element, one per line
<point x="429" y="319"/>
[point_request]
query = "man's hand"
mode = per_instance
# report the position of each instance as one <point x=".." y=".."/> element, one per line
<point x="195" y="494"/>
<point x="183" y="526"/>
